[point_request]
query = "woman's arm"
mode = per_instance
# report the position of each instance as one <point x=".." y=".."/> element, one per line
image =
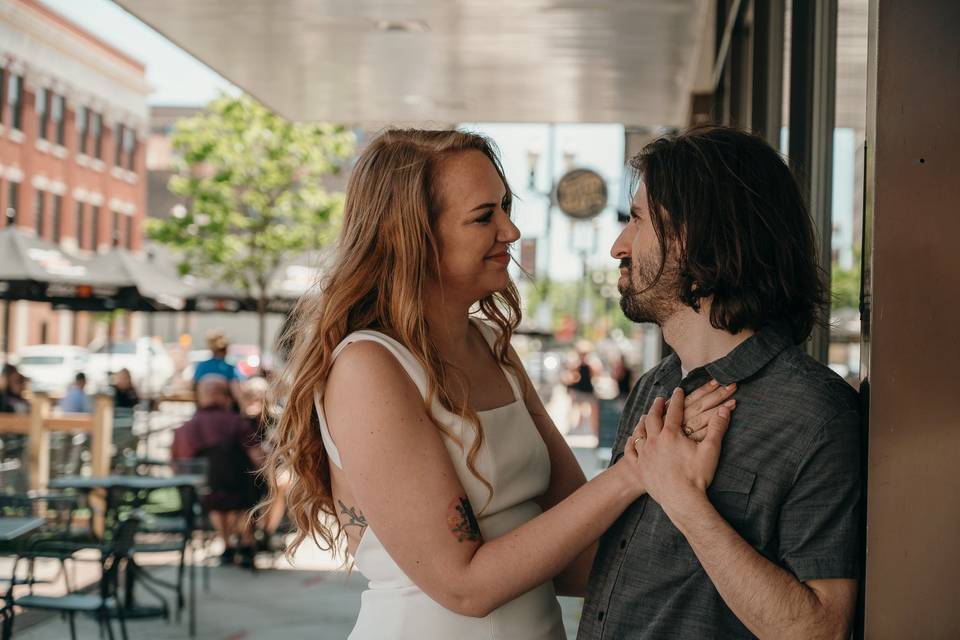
<point x="406" y="487"/>
<point x="566" y="477"/>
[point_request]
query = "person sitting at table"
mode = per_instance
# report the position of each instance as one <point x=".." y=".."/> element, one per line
<point x="76" y="400"/>
<point x="231" y="447"/>
<point x="12" y="385"/>
<point x="124" y="393"/>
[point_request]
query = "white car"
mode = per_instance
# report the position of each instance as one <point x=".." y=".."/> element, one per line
<point x="150" y="366"/>
<point x="51" y="368"/>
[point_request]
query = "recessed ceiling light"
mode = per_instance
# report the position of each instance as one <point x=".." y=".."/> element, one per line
<point x="401" y="26"/>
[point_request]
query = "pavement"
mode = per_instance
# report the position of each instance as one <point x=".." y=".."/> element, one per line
<point x="313" y="597"/>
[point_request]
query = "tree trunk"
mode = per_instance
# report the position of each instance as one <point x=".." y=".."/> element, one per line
<point x="262" y="327"/>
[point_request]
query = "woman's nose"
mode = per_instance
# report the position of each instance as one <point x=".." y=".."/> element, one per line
<point x="509" y="232"/>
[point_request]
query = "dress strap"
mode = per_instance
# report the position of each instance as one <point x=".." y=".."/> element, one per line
<point x="403" y="356"/>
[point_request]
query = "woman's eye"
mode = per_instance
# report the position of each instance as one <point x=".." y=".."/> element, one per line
<point x="485" y="217"/>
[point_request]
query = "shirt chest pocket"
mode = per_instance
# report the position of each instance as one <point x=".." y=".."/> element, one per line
<point x="730" y="493"/>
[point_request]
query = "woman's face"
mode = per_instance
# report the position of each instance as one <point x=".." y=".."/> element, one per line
<point x="474" y="229"/>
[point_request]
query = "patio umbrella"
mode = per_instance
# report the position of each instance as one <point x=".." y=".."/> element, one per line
<point x="150" y="288"/>
<point x="40" y="271"/>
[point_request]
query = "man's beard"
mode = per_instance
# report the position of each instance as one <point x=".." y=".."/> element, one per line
<point x="642" y="302"/>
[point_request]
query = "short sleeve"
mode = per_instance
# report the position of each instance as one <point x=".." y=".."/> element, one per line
<point x="820" y="518"/>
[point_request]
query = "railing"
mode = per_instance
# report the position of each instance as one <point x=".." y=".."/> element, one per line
<point x="38" y="425"/>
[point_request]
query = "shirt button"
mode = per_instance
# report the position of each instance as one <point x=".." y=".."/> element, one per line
<point x="600" y="616"/>
<point x="623" y="544"/>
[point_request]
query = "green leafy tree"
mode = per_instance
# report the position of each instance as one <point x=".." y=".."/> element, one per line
<point x="565" y="300"/>
<point x="845" y="284"/>
<point x="254" y="187"/>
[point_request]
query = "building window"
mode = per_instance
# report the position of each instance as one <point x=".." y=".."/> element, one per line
<point x="56" y="215"/>
<point x="38" y="211"/>
<point x="129" y="234"/>
<point x="13" y="189"/>
<point x="82" y="129"/>
<point x="94" y="227"/>
<point x="79" y="229"/>
<point x="43" y="113"/>
<point x="15" y="100"/>
<point x="118" y="145"/>
<point x="96" y="130"/>
<point x="130" y="147"/>
<point x="2" y="92"/>
<point x="115" y="235"/>
<point x="59" y="122"/>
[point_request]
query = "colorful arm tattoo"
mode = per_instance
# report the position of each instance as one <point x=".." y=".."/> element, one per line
<point x="463" y="523"/>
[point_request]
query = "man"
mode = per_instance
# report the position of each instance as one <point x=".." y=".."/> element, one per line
<point x="720" y="253"/>
<point x="217" y="364"/>
<point x="232" y="451"/>
<point x="76" y="399"/>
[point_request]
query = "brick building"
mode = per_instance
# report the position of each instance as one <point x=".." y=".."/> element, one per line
<point x="73" y="119"/>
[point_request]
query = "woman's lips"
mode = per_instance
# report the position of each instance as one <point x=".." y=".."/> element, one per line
<point x="502" y="258"/>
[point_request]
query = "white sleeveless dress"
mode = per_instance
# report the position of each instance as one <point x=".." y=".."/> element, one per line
<point x="514" y="459"/>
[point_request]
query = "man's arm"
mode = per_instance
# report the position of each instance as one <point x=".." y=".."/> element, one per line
<point x="769" y="600"/>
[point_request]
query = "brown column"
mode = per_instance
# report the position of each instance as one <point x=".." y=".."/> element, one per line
<point x="911" y="346"/>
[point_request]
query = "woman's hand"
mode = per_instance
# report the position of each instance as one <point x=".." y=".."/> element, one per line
<point x="701" y="406"/>
<point x="670" y="466"/>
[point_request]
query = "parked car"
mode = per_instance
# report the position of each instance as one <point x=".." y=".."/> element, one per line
<point x="51" y="368"/>
<point x="151" y="367"/>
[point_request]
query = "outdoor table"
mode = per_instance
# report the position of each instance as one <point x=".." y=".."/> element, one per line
<point x="13" y="528"/>
<point x="149" y="483"/>
<point x="134" y="483"/>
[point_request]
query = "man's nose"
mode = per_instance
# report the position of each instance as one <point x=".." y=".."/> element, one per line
<point x="620" y="248"/>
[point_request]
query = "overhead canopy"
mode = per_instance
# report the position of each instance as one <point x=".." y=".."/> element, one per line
<point x="450" y="61"/>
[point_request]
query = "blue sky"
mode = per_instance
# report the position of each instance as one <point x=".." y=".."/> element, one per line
<point x="177" y="77"/>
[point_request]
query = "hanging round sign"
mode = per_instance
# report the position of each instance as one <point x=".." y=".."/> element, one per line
<point x="581" y="194"/>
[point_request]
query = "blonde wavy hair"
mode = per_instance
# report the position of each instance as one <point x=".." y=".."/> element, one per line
<point x="386" y="252"/>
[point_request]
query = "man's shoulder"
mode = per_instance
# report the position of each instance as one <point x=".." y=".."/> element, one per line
<point x="816" y="381"/>
<point x="796" y="389"/>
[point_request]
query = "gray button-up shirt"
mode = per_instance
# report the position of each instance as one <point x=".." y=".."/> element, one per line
<point x="788" y="481"/>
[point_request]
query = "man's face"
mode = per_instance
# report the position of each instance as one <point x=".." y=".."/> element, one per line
<point x="638" y="251"/>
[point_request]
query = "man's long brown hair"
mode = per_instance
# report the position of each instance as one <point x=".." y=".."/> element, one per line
<point x="729" y="203"/>
<point x="386" y="252"/>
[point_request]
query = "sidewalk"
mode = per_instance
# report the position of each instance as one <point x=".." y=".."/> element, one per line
<point x="313" y="600"/>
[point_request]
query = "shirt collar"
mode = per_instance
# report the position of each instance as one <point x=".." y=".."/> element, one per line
<point x="746" y="359"/>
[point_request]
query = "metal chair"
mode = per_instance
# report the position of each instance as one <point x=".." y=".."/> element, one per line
<point x="102" y="604"/>
<point x="59" y="510"/>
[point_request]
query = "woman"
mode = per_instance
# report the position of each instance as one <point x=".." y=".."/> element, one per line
<point x="412" y="431"/>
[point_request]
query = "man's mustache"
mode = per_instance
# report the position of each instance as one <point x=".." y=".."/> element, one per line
<point x="626" y="263"/>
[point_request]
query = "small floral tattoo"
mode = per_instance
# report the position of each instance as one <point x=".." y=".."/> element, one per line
<point x="355" y="516"/>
